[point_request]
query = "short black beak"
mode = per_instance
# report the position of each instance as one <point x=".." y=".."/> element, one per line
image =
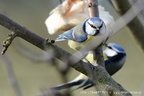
<point x="96" y="33"/>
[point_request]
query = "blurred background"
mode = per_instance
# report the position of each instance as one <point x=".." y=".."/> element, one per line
<point x="33" y="77"/>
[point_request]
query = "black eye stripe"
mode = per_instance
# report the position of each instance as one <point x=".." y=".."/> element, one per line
<point x="96" y="27"/>
<point x="91" y="25"/>
<point x="110" y="47"/>
<point x="101" y="25"/>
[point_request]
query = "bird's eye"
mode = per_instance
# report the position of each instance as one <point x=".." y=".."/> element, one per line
<point x="110" y="47"/>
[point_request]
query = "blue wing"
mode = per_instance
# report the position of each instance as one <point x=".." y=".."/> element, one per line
<point x="72" y="35"/>
<point x="65" y="35"/>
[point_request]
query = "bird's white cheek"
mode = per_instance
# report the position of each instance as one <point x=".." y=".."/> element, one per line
<point x="110" y="52"/>
<point x="90" y="31"/>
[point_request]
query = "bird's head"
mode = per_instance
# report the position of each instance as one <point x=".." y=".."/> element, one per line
<point x="113" y="49"/>
<point x="95" y="26"/>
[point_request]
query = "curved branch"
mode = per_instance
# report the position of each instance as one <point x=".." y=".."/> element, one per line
<point x="136" y="27"/>
<point x="11" y="75"/>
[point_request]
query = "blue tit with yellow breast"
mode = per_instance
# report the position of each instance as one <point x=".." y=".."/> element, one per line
<point x="114" y="61"/>
<point x="83" y="32"/>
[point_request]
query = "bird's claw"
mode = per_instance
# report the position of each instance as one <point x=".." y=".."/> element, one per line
<point x="50" y="41"/>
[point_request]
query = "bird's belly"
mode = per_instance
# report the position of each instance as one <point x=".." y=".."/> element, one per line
<point x="77" y="45"/>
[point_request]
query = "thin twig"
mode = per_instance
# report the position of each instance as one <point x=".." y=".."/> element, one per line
<point x="8" y="42"/>
<point x="33" y="55"/>
<point x="11" y="75"/>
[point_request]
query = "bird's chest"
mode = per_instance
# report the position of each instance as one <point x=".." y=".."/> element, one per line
<point x="77" y="45"/>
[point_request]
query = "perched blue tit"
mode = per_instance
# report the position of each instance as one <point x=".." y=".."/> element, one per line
<point x="83" y="32"/>
<point x="115" y="59"/>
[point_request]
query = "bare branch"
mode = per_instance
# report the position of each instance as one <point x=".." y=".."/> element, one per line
<point x="34" y="55"/>
<point x="11" y="75"/>
<point x="93" y="8"/>
<point x="136" y="27"/>
<point x="7" y="42"/>
<point x="128" y="16"/>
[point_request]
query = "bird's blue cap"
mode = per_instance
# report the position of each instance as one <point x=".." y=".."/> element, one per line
<point x="116" y="47"/>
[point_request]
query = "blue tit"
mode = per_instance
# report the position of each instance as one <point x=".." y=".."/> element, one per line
<point x="115" y="59"/>
<point x="83" y="32"/>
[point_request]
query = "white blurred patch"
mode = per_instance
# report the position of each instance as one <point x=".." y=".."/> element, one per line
<point x="70" y="13"/>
